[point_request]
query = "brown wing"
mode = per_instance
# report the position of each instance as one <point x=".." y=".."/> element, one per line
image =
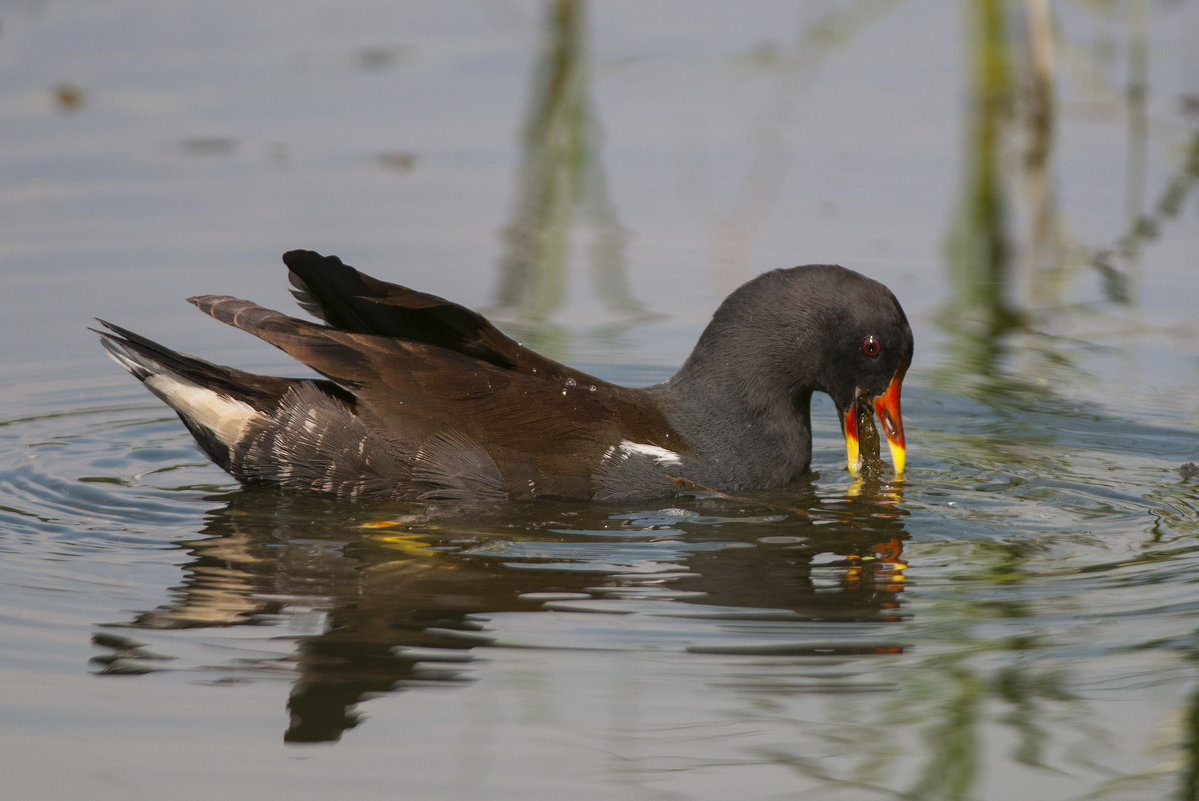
<point x="546" y="426"/>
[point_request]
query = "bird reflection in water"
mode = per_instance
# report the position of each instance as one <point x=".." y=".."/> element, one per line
<point x="366" y="609"/>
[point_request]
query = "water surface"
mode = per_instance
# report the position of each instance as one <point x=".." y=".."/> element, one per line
<point x="1015" y="619"/>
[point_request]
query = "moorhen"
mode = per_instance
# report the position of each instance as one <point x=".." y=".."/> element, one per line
<point x="425" y="399"/>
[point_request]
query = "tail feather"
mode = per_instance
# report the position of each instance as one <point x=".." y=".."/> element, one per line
<point x="215" y="410"/>
<point x="257" y="428"/>
<point x="145" y="358"/>
<point x="219" y="405"/>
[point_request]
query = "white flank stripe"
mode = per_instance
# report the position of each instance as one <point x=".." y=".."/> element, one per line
<point x="661" y="455"/>
<point x="225" y="417"/>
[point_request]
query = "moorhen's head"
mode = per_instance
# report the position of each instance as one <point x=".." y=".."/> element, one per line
<point x="814" y="328"/>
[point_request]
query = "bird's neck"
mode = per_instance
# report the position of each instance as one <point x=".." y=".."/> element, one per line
<point x="749" y="433"/>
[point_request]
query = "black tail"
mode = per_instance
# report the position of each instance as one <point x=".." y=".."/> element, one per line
<point x="145" y="358"/>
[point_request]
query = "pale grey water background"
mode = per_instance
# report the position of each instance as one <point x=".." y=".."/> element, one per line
<point x="598" y="177"/>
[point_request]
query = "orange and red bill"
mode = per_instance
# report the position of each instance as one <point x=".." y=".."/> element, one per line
<point x="886" y="406"/>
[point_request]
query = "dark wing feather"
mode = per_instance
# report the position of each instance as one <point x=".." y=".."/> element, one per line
<point x="332" y="353"/>
<point x="352" y="301"/>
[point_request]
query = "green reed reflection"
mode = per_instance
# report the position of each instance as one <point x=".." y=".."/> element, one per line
<point x="1013" y="270"/>
<point x="1013" y="267"/>
<point x="561" y="178"/>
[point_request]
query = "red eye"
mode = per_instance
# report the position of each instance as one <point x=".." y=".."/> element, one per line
<point x="871" y="346"/>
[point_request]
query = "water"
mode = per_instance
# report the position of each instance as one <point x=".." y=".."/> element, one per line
<point x="1015" y="619"/>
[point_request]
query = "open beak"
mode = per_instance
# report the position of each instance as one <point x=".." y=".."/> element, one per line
<point x="886" y="406"/>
